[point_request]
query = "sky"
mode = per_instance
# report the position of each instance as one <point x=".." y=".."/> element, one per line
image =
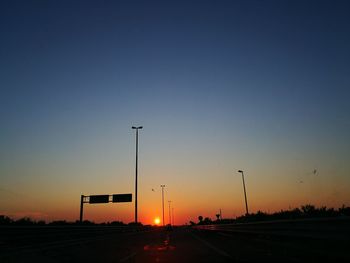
<point x="218" y="86"/>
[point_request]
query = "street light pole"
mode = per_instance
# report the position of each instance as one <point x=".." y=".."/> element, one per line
<point x="245" y="195"/>
<point x="163" y="200"/>
<point x="169" y="213"/>
<point x="136" y="166"/>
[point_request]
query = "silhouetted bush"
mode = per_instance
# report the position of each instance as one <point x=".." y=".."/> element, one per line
<point x="135" y="224"/>
<point x="5" y="220"/>
<point x="88" y="223"/>
<point x="116" y="223"/>
<point x="345" y="211"/>
<point x="207" y="221"/>
<point x="25" y="221"/>
<point x="41" y="223"/>
<point x="59" y="223"/>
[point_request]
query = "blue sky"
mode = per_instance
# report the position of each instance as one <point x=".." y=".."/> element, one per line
<point x="216" y="84"/>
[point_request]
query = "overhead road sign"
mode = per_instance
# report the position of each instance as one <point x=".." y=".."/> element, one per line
<point x="121" y="198"/>
<point x="97" y="199"/>
<point x="102" y="199"/>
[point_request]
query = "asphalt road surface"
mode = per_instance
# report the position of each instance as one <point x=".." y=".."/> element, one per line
<point x="183" y="244"/>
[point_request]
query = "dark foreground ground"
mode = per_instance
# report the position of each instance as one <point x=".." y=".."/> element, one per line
<point x="182" y="244"/>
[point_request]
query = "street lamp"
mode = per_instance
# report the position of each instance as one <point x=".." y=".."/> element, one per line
<point x="245" y="195"/>
<point x="137" y="150"/>
<point x="163" y="200"/>
<point x="169" y="213"/>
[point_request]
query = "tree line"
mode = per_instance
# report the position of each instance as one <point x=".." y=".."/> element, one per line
<point x="26" y="221"/>
<point x="305" y="211"/>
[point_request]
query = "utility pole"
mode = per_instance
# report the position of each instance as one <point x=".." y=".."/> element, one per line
<point x="136" y="166"/>
<point x="245" y="195"/>
<point x="163" y="200"/>
<point x="169" y="213"/>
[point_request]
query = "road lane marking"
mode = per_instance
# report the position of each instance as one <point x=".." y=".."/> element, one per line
<point x="217" y="250"/>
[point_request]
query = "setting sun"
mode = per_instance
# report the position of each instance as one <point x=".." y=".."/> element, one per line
<point x="157" y="221"/>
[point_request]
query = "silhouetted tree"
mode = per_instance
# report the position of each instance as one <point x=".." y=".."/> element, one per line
<point x="308" y="209"/>
<point x="5" y="220"/>
<point x="200" y="218"/>
<point x="345" y="211"/>
<point x="25" y="221"/>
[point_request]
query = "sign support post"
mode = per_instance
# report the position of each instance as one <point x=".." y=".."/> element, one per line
<point x="81" y="208"/>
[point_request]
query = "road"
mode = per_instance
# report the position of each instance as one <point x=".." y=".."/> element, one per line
<point x="182" y="244"/>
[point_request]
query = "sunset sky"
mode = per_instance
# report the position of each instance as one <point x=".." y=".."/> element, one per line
<point x="218" y="86"/>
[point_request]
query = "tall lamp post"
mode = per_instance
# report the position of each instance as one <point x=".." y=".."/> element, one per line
<point x="169" y="213"/>
<point x="163" y="200"/>
<point x="136" y="166"/>
<point x="245" y="195"/>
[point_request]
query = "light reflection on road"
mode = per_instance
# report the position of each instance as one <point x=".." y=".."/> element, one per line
<point x="164" y="246"/>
